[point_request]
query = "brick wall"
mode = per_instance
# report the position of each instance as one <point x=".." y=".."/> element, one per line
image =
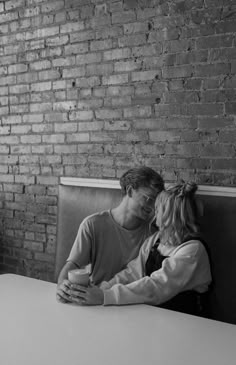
<point x="89" y="88"/>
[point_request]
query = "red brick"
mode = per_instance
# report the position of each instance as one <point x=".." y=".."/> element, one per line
<point x="205" y="109"/>
<point x="215" y="123"/>
<point x="159" y="86"/>
<point x="71" y="27"/>
<point x="143" y="111"/>
<point x="99" y="69"/>
<point x="178" y="71"/>
<point x="145" y="75"/>
<point x="212" y="69"/>
<point x="29" y="12"/>
<point x="108" y="114"/>
<point x="180" y="45"/>
<point x="224" y="164"/>
<point x="100" y="45"/>
<point x="123" y="17"/>
<point x="78" y="137"/>
<point x="115" y="79"/>
<point x="135" y="28"/>
<point x="8" y="17"/>
<point x="90" y="126"/>
<point x="215" y="41"/>
<point x="117" y="54"/>
<point x="228" y="136"/>
<point x="230" y="108"/>
<point x="132" y="40"/>
<point x="100" y="21"/>
<point x="76" y="48"/>
<point x="56" y="5"/>
<point x="74" y="72"/>
<point x="88" y="58"/>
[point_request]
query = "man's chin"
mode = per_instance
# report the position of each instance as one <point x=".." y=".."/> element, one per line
<point x="147" y="215"/>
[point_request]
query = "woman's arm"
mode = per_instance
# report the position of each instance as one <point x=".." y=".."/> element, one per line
<point x="135" y="268"/>
<point x="178" y="273"/>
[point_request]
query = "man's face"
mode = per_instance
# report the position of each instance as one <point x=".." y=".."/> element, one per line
<point x="143" y="202"/>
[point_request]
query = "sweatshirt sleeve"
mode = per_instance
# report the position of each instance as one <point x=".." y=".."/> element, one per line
<point x="179" y="272"/>
<point x="135" y="268"/>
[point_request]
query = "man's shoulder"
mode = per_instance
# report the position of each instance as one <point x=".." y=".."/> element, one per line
<point x="97" y="217"/>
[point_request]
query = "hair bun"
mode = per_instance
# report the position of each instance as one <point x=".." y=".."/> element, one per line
<point x="184" y="188"/>
<point x="190" y="187"/>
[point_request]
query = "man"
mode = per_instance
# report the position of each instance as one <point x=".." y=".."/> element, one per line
<point x="110" y="239"/>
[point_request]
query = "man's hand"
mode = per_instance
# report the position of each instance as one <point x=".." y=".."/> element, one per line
<point x="63" y="292"/>
<point x="81" y="295"/>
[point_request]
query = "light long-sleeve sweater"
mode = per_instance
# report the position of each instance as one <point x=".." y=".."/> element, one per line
<point x="186" y="268"/>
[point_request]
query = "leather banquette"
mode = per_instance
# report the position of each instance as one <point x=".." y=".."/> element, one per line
<point x="218" y="226"/>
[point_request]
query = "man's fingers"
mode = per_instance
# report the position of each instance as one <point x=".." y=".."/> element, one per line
<point x="77" y="293"/>
<point x="64" y="295"/>
<point x="65" y="285"/>
<point x="78" y="287"/>
<point x="72" y="293"/>
<point x="60" y="299"/>
<point x="77" y="300"/>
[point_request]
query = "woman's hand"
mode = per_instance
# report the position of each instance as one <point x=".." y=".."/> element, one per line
<point x="81" y="295"/>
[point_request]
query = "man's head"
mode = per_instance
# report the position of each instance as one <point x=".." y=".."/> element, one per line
<point x="141" y="185"/>
<point x="141" y="177"/>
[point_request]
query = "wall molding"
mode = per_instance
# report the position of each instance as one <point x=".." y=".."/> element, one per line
<point x="114" y="184"/>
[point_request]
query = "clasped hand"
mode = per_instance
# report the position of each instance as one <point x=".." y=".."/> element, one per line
<point x="74" y="293"/>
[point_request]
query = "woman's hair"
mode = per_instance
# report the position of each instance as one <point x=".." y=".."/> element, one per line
<point x="178" y="213"/>
<point x="142" y="176"/>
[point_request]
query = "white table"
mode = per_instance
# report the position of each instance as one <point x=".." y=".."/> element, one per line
<point x="37" y="330"/>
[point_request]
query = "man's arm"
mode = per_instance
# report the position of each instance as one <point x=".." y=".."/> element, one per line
<point x="63" y="283"/>
<point x="79" y="257"/>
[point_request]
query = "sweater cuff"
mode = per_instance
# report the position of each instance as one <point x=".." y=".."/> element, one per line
<point x="109" y="298"/>
<point x="104" y="285"/>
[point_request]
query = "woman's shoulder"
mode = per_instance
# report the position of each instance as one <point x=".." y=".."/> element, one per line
<point x="193" y="247"/>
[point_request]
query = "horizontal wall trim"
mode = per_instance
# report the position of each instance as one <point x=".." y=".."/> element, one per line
<point x="114" y="184"/>
<point x="98" y="183"/>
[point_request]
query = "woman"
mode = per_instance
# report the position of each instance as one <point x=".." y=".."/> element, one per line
<point x="172" y="269"/>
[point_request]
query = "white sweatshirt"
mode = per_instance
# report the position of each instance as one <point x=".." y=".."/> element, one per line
<point x="186" y="268"/>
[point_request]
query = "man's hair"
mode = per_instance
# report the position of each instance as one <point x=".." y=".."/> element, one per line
<point x="178" y="213"/>
<point x="141" y="177"/>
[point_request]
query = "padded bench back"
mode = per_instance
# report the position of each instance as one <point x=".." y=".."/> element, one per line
<point x="219" y="228"/>
<point x="218" y="225"/>
<point x="76" y="203"/>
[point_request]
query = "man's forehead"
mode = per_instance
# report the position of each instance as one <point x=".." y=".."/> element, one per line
<point x="151" y="191"/>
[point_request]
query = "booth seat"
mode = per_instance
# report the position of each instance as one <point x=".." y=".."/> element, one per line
<point x="79" y="198"/>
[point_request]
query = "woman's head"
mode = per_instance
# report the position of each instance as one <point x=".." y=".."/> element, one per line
<point x="177" y="213"/>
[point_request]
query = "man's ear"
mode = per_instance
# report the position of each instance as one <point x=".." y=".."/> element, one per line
<point x="129" y="191"/>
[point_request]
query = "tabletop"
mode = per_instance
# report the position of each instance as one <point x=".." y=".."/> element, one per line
<point x="37" y="330"/>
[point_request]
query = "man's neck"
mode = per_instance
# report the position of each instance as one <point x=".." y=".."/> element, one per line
<point x="125" y="218"/>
